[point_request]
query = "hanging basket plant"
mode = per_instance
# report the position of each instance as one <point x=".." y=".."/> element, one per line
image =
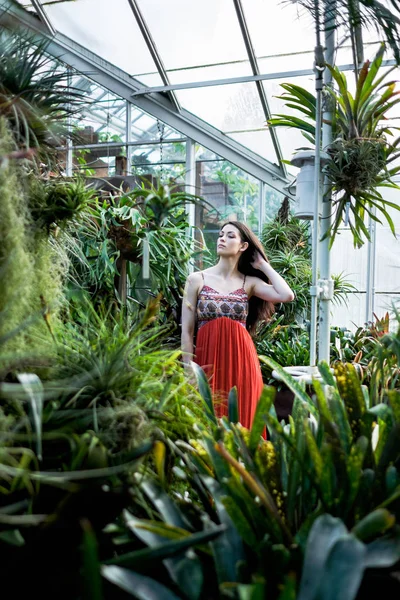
<point x="364" y="148"/>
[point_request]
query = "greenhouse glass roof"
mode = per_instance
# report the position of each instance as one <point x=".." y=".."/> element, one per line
<point x="215" y="65"/>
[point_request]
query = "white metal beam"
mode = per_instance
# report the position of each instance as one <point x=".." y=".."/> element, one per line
<point x="244" y="79"/>
<point x="123" y="85"/>
<point x="152" y="48"/>
<point x="260" y="88"/>
<point x="43" y="16"/>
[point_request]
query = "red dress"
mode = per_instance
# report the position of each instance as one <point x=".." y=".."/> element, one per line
<point x="225" y="350"/>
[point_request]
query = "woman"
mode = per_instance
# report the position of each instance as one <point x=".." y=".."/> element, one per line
<point x="227" y="301"/>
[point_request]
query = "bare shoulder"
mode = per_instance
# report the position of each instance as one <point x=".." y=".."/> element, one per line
<point x="195" y="280"/>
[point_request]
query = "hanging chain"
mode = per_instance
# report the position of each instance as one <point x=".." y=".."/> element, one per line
<point x="161" y="128"/>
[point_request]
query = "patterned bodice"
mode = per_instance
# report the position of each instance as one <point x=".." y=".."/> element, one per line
<point x="212" y="304"/>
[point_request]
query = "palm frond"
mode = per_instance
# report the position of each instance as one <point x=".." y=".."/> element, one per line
<point x="366" y="13"/>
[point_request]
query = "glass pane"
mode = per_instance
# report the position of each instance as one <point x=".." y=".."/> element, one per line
<point x="96" y="162"/>
<point x="353" y="262"/>
<point x="147" y="127"/>
<point x="26" y="4"/>
<point x="227" y="107"/>
<point x="259" y="141"/>
<point x="387" y="272"/>
<point x="272" y="203"/>
<point x="206" y="33"/>
<point x="232" y="193"/>
<point x="384" y="303"/>
<point x="104" y="120"/>
<point x="108" y="29"/>
<point x="351" y="316"/>
<point x="277" y="28"/>
<point x="167" y="162"/>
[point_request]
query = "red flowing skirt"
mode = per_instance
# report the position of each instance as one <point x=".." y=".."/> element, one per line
<point x="225" y="350"/>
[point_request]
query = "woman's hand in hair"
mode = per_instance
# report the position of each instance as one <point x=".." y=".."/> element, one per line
<point x="258" y="260"/>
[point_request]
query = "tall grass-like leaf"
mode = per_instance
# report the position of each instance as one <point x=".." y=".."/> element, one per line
<point x="291" y="383"/>
<point x="205" y="391"/>
<point x="233" y="410"/>
<point x="184" y="570"/>
<point x="91" y="563"/>
<point x="263" y="406"/>
<point x="33" y="388"/>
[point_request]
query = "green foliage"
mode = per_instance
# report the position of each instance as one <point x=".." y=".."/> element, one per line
<point x="364" y="145"/>
<point x="383" y="17"/>
<point x="30" y="272"/>
<point x="286" y="242"/>
<point x="309" y="502"/>
<point x="288" y="345"/>
<point x="34" y="96"/>
<point x="57" y="201"/>
<point x="121" y="227"/>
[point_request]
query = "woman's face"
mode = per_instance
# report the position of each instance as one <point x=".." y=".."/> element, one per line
<point x="229" y="241"/>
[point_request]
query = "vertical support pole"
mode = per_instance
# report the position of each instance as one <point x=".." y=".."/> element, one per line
<point x="261" y="208"/>
<point x="324" y="252"/>
<point x="128" y="136"/>
<point x="370" y="284"/>
<point x="317" y="199"/>
<point x="190" y="185"/>
<point x="68" y="161"/>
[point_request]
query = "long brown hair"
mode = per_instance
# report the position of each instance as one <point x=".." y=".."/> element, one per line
<point x="259" y="310"/>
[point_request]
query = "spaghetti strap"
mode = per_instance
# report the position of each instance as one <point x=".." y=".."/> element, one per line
<point x="244" y="281"/>
<point x="202" y="274"/>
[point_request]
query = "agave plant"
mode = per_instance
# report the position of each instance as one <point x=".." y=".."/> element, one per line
<point x="35" y="96"/>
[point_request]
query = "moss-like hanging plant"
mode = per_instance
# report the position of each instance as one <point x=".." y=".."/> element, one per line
<point x="31" y="271"/>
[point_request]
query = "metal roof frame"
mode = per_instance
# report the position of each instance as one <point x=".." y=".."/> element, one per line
<point x="152" y="49"/>
<point x="260" y="88"/>
<point x="120" y="83"/>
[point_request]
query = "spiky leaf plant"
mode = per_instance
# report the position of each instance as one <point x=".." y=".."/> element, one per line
<point x="364" y="147"/>
<point x="35" y="95"/>
<point x="314" y="508"/>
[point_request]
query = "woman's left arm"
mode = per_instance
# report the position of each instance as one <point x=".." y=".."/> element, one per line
<point x="278" y="291"/>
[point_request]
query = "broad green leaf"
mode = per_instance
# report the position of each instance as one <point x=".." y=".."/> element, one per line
<point x="185" y="570"/>
<point x="375" y="523"/>
<point x="343" y="570"/>
<point x="291" y="383"/>
<point x="383" y="552"/>
<point x="138" y="586"/>
<point x="324" y="534"/>
<point x="354" y="465"/>
<point x="164" y="504"/>
<point x="143" y="558"/>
